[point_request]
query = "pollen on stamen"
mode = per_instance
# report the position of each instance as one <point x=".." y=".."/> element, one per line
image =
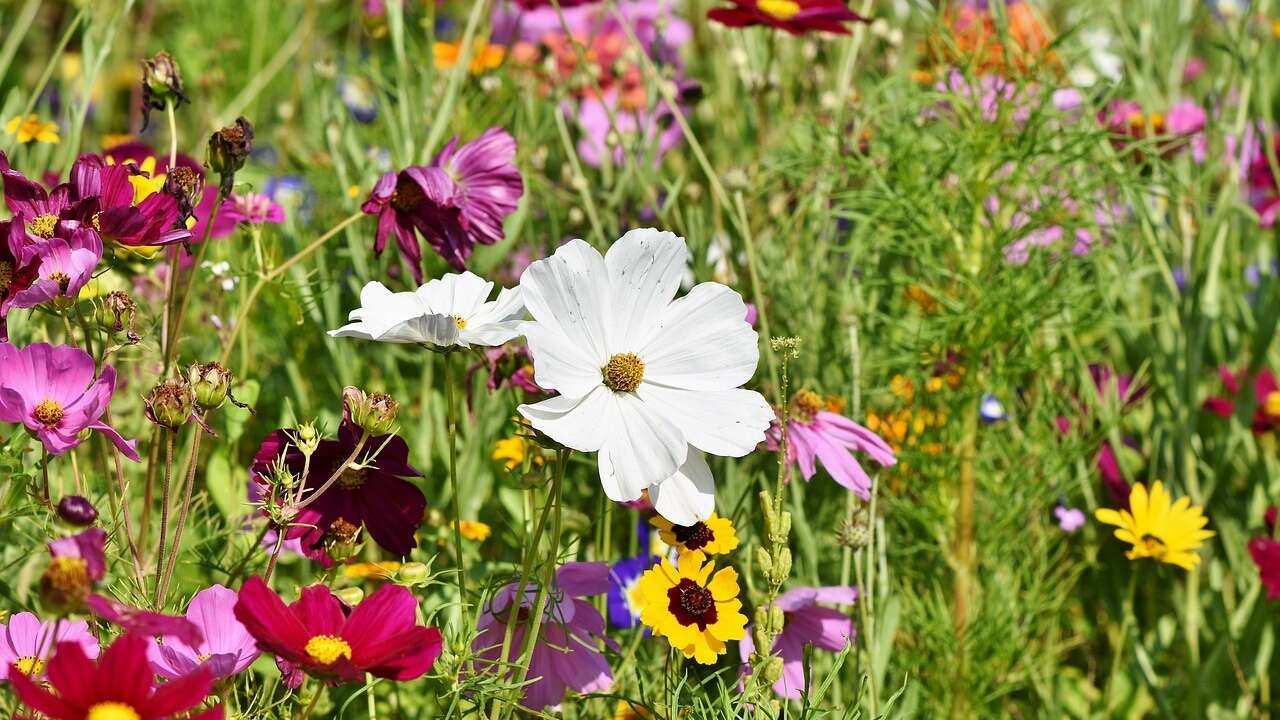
<point x="44" y="225"/>
<point x="623" y="372"/>
<point x="48" y="413"/>
<point x="460" y="322"/>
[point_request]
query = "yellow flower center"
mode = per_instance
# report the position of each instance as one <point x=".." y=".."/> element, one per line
<point x="326" y="649"/>
<point x="112" y="711"/>
<point x="624" y="372"/>
<point x="203" y="657"/>
<point x="6" y="275"/>
<point x="61" y="278"/>
<point x="1152" y="547"/>
<point x="30" y="666"/>
<point x="806" y="404"/>
<point x="68" y="573"/>
<point x="48" y="413"/>
<point x="1271" y="404"/>
<point x="352" y="478"/>
<point x="44" y="225"/>
<point x="781" y="9"/>
<point x="460" y="322"/>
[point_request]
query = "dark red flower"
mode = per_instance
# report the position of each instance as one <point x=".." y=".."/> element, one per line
<point x="381" y="636"/>
<point x="120" y="681"/>
<point x="376" y="495"/>
<point x="1266" y="555"/>
<point x="1266" y="398"/>
<point x="150" y="222"/>
<point x="794" y="16"/>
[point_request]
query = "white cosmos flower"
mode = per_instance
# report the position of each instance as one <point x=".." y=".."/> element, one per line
<point x="454" y="310"/>
<point x="647" y="381"/>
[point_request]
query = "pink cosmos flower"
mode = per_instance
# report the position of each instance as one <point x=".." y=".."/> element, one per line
<point x="1069" y="519"/>
<point x="26" y="643"/>
<point x="63" y="267"/>
<point x="153" y="221"/>
<point x="18" y="268"/>
<point x="53" y="392"/>
<point x="39" y="212"/>
<point x="89" y="546"/>
<point x="248" y="209"/>
<point x="227" y="649"/>
<point x="815" y="433"/>
<point x="806" y="623"/>
<point x="458" y="201"/>
<point x="566" y="656"/>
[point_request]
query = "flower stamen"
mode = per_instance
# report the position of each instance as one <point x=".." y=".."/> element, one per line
<point x="30" y="666"/>
<point x="781" y="9"/>
<point x="48" y="413"/>
<point x="692" y="604"/>
<point x="623" y="372"/>
<point x="112" y="711"/>
<point x="44" y="225"/>
<point x="326" y="649"/>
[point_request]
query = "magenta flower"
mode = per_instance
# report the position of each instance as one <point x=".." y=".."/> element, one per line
<point x="1266" y="555"/>
<point x="227" y="649"/>
<point x="63" y="267"/>
<point x="1108" y="386"/>
<point x="316" y="635"/>
<point x="41" y="213"/>
<point x="815" y="433"/>
<point x="644" y="133"/>
<point x="797" y="17"/>
<point x="18" y="268"/>
<point x="53" y="392"/>
<point x="1264" y="190"/>
<point x="566" y="656"/>
<point x="806" y="623"/>
<point x="1266" y="398"/>
<point x="144" y="622"/>
<point x="26" y="643"/>
<point x="89" y="547"/>
<point x="236" y="210"/>
<point x="153" y="221"/>
<point x="376" y="495"/>
<point x="461" y="199"/>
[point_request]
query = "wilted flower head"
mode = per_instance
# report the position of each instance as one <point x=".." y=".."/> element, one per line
<point x="170" y="404"/>
<point x="184" y="185"/>
<point x="161" y="85"/>
<point x="228" y="150"/>
<point x="374" y="413"/>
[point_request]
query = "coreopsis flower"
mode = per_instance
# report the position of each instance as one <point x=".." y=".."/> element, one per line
<point x="1265" y="552"/>
<point x="119" y="686"/>
<point x="371" y="570"/>
<point x="805" y="623"/>
<point x="1159" y="528"/>
<point x="796" y="17"/>
<point x="126" y="212"/>
<point x="316" y="635"/>
<point x="52" y="391"/>
<point x="473" y="530"/>
<point x="373" y="493"/>
<point x="815" y="433"/>
<point x="692" y="605"/>
<point x="457" y="201"/>
<point x="566" y="654"/>
<point x="484" y="56"/>
<point x="227" y="648"/>
<point x="1266" y="398"/>
<point x="63" y="267"/>
<point x="512" y="451"/>
<point x="648" y="382"/>
<point x="451" y="311"/>
<point x="26" y="643"/>
<point x="713" y="536"/>
<point x="31" y="128"/>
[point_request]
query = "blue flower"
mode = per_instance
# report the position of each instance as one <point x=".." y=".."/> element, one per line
<point x="990" y="409"/>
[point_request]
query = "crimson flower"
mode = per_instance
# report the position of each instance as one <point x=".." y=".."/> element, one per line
<point x="1266" y="398"/>
<point x="1266" y="555"/>
<point x="119" y="685"/>
<point x="315" y="634"/>
<point x="152" y="221"/>
<point x="794" y="16"/>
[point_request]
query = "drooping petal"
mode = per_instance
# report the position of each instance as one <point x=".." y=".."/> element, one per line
<point x="689" y="495"/>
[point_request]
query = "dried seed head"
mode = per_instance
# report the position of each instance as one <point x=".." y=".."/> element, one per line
<point x="161" y="85"/>
<point x="375" y="413"/>
<point x="228" y="150"/>
<point x="170" y="404"/>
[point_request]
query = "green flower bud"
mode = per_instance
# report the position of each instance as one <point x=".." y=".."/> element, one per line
<point x="777" y="619"/>
<point x="771" y="670"/>
<point x="170" y="404"/>
<point x="765" y="560"/>
<point x="308" y="438"/>
<point x="350" y="595"/>
<point x="116" y="312"/>
<point x="375" y="413"/>
<point x="161" y="85"/>
<point x="413" y="572"/>
<point x="210" y="382"/>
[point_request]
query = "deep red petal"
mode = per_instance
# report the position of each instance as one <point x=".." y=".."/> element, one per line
<point x="382" y="617"/>
<point x="70" y="671"/>
<point x="421" y="646"/>
<point x="320" y="611"/>
<point x="37" y="698"/>
<point x="177" y="695"/>
<point x="270" y="621"/>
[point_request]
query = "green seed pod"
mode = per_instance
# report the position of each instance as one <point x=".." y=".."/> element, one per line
<point x="375" y="413"/>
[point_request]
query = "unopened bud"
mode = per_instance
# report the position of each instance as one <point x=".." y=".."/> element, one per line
<point x="77" y="510"/>
<point x="413" y="572"/>
<point x="161" y="85"/>
<point x="771" y="670"/>
<point x="170" y="404"/>
<point x="765" y="561"/>
<point x="116" y="313"/>
<point x="776" y="619"/>
<point x="308" y="438"/>
<point x="228" y="150"/>
<point x="210" y="382"/>
<point x="342" y="539"/>
<point x="375" y="413"/>
<point x="350" y="595"/>
<point x="782" y="566"/>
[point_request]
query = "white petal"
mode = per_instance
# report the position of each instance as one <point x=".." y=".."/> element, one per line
<point x="580" y="423"/>
<point x="495" y="322"/>
<point x="559" y="364"/>
<point x="645" y="267"/>
<point x="456" y="294"/>
<point x="642" y="449"/>
<point x="687" y="496"/>
<point x="386" y="316"/>
<point x="722" y="422"/>
<point x="569" y="293"/>
<point x="702" y="342"/>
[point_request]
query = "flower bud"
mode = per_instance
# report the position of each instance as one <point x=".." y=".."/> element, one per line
<point x="170" y="404"/>
<point x="308" y="438"/>
<point x="765" y="561"/>
<point x="777" y="619"/>
<point x="282" y="476"/>
<point x="782" y="566"/>
<point x="77" y="510"/>
<point x="161" y="85"/>
<point x="210" y="382"/>
<point x="375" y="413"/>
<point x="771" y="670"/>
<point x="116" y="313"/>
<point x="413" y="572"/>
<point x="65" y="584"/>
<point x="350" y="595"/>
<point x="228" y="150"/>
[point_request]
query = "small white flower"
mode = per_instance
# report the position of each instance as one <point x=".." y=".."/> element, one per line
<point x="454" y="310"/>
<point x="646" y="380"/>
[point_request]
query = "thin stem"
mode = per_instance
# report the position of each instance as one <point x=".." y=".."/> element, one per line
<point x="337" y="473"/>
<point x="548" y="581"/>
<point x="183" y="512"/>
<point x="452" y="414"/>
<point x="44" y="473"/>
<point x="173" y="133"/>
<point x="275" y="555"/>
<point x="186" y="296"/>
<point x="171" y="437"/>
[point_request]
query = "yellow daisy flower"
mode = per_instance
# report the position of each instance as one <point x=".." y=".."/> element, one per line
<point x="713" y="536"/>
<point x="511" y="451"/>
<point x="1158" y="527"/>
<point x="474" y="530"/>
<point x="32" y="128"/>
<point x="696" y="612"/>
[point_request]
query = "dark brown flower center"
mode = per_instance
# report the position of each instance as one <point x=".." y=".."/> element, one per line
<point x="342" y="531"/>
<point x="407" y="196"/>
<point x="44" y="225"/>
<point x="692" y="604"/>
<point x="352" y="478"/>
<point x="6" y="275"/>
<point x="695" y="536"/>
<point x="48" y="413"/>
<point x="61" y="278"/>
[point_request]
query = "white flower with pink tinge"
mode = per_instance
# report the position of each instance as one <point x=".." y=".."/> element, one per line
<point x="648" y="381"/>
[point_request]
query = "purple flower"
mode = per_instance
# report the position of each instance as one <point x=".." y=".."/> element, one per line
<point x="40" y="212"/>
<point x="249" y="209"/>
<point x="815" y="433"/>
<point x="567" y="655"/>
<point x="1069" y="519"/>
<point x="151" y="222"/>
<point x="53" y="392"/>
<point x="806" y="623"/>
<point x="26" y="643"/>
<point x="458" y="201"/>
<point x="18" y="268"/>
<point x="228" y="648"/>
<point x="62" y="268"/>
<point x="639" y="131"/>
<point x="623" y="577"/>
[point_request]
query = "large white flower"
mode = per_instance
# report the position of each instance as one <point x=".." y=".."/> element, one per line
<point x="645" y="380"/>
<point x="448" y="311"/>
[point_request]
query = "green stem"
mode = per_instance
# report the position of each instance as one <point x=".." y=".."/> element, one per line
<point x="452" y="415"/>
<point x="192" y="462"/>
<point x="170" y="437"/>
